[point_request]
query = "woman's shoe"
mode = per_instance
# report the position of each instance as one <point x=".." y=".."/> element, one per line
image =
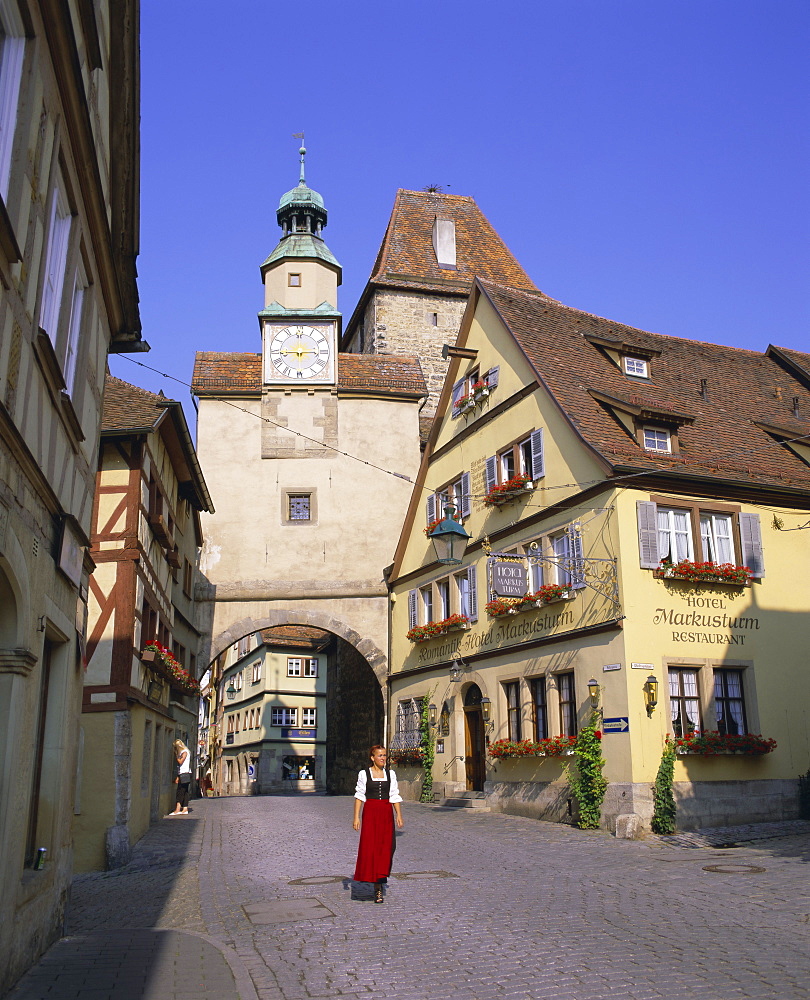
<point x="378" y="893"/>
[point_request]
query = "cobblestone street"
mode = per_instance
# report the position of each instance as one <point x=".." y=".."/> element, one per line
<point x="251" y="898"/>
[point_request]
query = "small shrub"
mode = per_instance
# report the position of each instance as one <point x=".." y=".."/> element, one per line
<point x="663" y="820"/>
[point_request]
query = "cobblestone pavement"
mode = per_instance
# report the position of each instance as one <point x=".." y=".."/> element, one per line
<point x="251" y="899"/>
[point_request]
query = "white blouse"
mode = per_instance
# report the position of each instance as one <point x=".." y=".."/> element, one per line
<point x="393" y="792"/>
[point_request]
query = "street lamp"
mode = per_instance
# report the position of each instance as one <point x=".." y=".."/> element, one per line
<point x="432" y="713"/>
<point x="231" y="691"/>
<point x="449" y="538"/>
<point x="593" y="691"/>
<point x="486" y="705"/>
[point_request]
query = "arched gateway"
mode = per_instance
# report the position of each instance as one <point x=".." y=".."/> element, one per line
<point x="354" y="711"/>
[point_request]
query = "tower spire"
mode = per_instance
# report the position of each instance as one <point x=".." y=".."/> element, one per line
<point x="302" y="152"/>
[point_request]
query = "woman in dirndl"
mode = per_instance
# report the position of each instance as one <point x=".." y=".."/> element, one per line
<point x="376" y="805"/>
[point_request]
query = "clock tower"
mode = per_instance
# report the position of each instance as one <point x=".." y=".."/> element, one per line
<point x="300" y="320"/>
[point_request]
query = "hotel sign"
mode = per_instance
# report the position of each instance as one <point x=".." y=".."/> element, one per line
<point x="508" y="579"/>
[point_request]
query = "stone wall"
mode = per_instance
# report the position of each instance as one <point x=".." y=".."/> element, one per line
<point x="408" y="323"/>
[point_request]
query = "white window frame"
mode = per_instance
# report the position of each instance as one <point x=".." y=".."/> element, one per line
<point x="77" y="307"/>
<point x="717" y="537"/>
<point x="657" y="439"/>
<point x="310" y="666"/>
<point x="257" y="672"/>
<point x="12" y="53"/>
<point x="675" y="529"/>
<point x="59" y="225"/>
<point x="637" y="367"/>
<point x="309" y="718"/>
<point x="282" y="716"/>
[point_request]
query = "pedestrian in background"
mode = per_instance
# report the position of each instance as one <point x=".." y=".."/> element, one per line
<point x="183" y="779"/>
<point x="376" y="804"/>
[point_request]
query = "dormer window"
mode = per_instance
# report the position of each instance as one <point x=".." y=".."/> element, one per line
<point x="656" y="439"/>
<point x="444" y="243"/>
<point x="637" y="367"/>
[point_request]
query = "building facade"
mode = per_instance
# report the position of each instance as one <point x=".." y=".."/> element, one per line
<point x="68" y="295"/>
<point x="274" y="719"/>
<point x="638" y="510"/>
<point x="310" y="505"/>
<point x="141" y="687"/>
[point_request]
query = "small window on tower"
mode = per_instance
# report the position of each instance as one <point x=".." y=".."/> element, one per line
<point x="299" y="506"/>
<point x="294" y="280"/>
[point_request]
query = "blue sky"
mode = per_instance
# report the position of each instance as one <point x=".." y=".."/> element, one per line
<point x="646" y="160"/>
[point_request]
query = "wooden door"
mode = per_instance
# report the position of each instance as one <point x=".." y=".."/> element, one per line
<point x="475" y="748"/>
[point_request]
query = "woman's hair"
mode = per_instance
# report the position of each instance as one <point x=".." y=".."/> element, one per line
<point x="374" y="749"/>
<point x="178" y="746"/>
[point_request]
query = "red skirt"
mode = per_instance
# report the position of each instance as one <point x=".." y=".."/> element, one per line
<point x="376" y="849"/>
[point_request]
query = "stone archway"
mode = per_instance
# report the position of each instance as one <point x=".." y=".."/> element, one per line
<point x="356" y="689"/>
<point x="368" y="649"/>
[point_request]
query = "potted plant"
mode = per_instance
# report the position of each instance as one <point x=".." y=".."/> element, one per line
<point x="464" y="403"/>
<point x="480" y="391"/>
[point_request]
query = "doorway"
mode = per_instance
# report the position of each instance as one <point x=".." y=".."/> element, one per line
<point x="474" y="740"/>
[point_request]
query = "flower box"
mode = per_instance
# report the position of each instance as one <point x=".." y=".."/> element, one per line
<point x="406" y="758"/>
<point x="512" y="489"/>
<point x="713" y="744"/>
<point x="557" y="746"/>
<point x="421" y="633"/>
<point x="160" y="660"/>
<point x="705" y="572"/>
<point x="499" y="607"/>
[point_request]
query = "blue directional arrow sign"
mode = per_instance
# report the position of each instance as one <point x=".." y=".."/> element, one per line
<point x="621" y="725"/>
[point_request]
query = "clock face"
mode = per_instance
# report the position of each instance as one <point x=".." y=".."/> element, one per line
<point x="299" y="353"/>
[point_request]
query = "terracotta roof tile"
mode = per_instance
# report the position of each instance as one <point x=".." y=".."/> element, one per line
<point x="407" y="259"/>
<point x="227" y="372"/>
<point x="721" y="439"/>
<point x="127" y="407"/>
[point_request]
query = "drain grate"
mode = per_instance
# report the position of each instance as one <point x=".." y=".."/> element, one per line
<point x="734" y="869"/>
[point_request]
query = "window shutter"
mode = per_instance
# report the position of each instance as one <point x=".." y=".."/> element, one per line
<point x="412" y="606"/>
<point x="751" y="538"/>
<point x="577" y="561"/>
<point x="647" y="534"/>
<point x="491" y="377"/>
<point x="458" y="392"/>
<point x="466" y="499"/>
<point x="538" y="454"/>
<point x="431" y="508"/>
<point x="491" y="473"/>
<point x="473" y="593"/>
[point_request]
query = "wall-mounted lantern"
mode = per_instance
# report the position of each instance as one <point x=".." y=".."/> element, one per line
<point x="593" y="692"/>
<point x="651" y="694"/>
<point x="432" y="715"/>
<point x="486" y="707"/>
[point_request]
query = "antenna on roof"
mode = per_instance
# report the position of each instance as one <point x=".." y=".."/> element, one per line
<point x="435" y="188"/>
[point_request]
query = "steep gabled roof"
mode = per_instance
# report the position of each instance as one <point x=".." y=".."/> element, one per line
<point x="128" y="410"/>
<point x="406" y="257"/>
<point x="718" y="433"/>
<point x="218" y="373"/>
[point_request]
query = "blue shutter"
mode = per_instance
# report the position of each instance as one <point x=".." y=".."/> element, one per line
<point x="751" y="538"/>
<point x="577" y="560"/>
<point x="647" y="513"/>
<point x="412" y="608"/>
<point x="458" y="392"/>
<point x="491" y="377"/>
<point x="538" y="454"/>
<point x="466" y="499"/>
<point x="431" y="508"/>
<point x="491" y="473"/>
<point x="473" y="593"/>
